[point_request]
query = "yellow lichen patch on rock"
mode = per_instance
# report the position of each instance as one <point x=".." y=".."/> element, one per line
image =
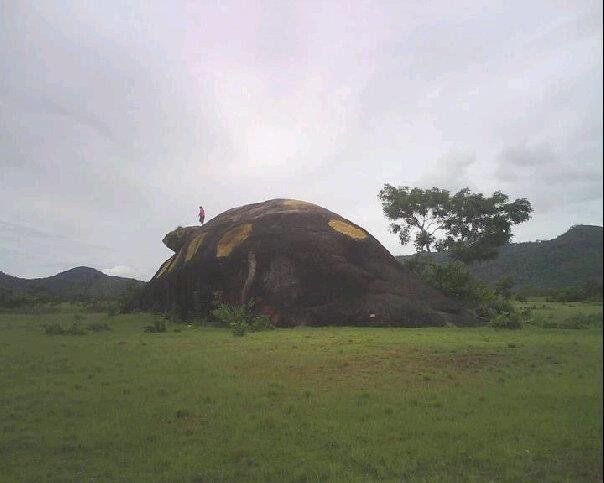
<point x="232" y="239"/>
<point x="294" y="204"/>
<point x="178" y="260"/>
<point x="347" y="229"/>
<point x="194" y="246"/>
<point x="166" y="266"/>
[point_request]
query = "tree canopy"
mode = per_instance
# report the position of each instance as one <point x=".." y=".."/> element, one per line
<point x="469" y="226"/>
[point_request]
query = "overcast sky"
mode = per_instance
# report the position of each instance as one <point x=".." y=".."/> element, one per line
<point x="117" y="119"/>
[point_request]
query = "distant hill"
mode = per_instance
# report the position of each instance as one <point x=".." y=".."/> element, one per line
<point x="80" y="283"/>
<point x="570" y="259"/>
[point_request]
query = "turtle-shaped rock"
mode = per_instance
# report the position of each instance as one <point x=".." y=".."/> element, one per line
<point x="301" y="264"/>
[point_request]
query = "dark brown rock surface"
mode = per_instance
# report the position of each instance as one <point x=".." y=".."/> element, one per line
<point x="302" y="264"/>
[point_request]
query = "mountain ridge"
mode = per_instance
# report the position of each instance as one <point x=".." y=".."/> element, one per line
<point x="74" y="284"/>
<point x="572" y="258"/>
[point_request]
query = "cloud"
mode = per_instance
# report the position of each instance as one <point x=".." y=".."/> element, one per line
<point x="29" y="251"/>
<point x="548" y="177"/>
<point x="124" y="271"/>
<point x="47" y="107"/>
<point x="452" y="171"/>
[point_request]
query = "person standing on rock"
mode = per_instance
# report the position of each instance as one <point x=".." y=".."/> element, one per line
<point x="202" y="215"/>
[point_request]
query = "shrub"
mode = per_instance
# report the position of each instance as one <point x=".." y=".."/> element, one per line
<point x="238" y="327"/>
<point x="99" y="326"/>
<point x="176" y="315"/>
<point x="526" y="312"/>
<point x="76" y="329"/>
<point x="54" y="328"/>
<point x="113" y="310"/>
<point x="100" y="305"/>
<point x="507" y="320"/>
<point x="159" y="326"/>
<point x="261" y="322"/>
<point x="183" y="413"/>
<point x="234" y="317"/>
<point x="503" y="287"/>
<point x="226" y="314"/>
<point x="240" y="319"/>
<point x="584" y="321"/>
<point x="78" y="317"/>
<point x="577" y="321"/>
<point x="455" y="280"/>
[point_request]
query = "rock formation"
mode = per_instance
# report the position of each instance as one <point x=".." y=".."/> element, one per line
<point x="302" y="265"/>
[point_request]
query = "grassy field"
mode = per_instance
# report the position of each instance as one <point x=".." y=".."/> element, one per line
<point x="332" y="404"/>
<point x="570" y="315"/>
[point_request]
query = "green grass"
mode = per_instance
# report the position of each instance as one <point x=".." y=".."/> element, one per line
<point x="331" y="404"/>
<point x="569" y="315"/>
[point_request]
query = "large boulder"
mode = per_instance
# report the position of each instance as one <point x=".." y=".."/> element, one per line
<point x="302" y="265"/>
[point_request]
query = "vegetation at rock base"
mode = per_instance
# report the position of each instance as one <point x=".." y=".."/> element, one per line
<point x="159" y="326"/>
<point x="240" y="318"/>
<point x="332" y="404"/>
<point x="493" y="305"/>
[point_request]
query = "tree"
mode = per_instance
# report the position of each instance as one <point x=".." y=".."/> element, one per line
<point x="468" y="226"/>
<point x="504" y="286"/>
<point x="418" y="210"/>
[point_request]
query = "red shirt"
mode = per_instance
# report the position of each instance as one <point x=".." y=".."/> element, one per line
<point x="202" y="213"/>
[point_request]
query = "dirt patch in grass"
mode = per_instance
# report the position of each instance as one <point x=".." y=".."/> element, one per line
<point x="468" y="361"/>
<point x="361" y="369"/>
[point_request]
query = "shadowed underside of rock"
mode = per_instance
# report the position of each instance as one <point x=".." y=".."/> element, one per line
<point x="302" y="264"/>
